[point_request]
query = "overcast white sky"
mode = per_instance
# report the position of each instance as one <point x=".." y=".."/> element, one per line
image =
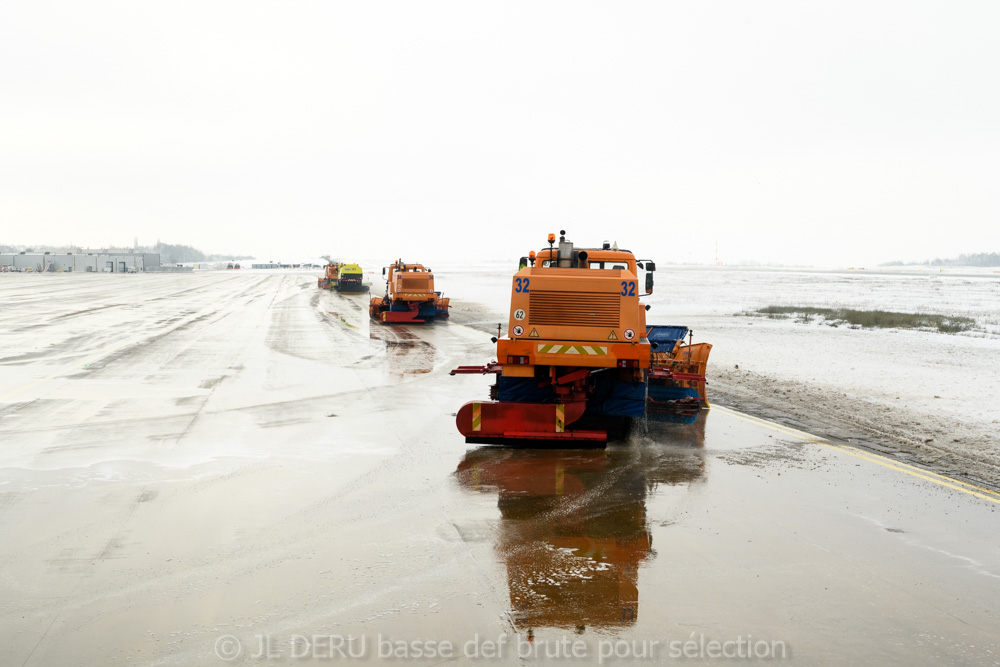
<point x="833" y="133"/>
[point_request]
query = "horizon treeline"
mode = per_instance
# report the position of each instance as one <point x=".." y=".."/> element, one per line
<point x="975" y="259"/>
<point x="169" y="253"/>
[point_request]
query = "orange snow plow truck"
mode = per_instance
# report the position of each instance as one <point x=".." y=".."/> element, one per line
<point x="329" y="278"/>
<point x="409" y="296"/>
<point x="578" y="361"/>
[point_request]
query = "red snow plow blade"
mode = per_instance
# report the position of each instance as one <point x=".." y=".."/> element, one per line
<point x="526" y="424"/>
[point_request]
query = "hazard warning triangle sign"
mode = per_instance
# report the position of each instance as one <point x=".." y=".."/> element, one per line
<point x="613" y="336"/>
<point x="533" y="334"/>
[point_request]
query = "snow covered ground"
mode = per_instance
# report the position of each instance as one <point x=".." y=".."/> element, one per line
<point x="926" y="397"/>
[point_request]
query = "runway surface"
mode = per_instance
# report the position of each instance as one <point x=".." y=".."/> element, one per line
<point x="239" y="468"/>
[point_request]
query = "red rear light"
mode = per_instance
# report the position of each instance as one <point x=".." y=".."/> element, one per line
<point x="519" y="360"/>
<point x="628" y="363"/>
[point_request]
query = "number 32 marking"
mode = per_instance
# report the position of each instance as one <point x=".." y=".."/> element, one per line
<point x="628" y="288"/>
<point x="521" y="285"/>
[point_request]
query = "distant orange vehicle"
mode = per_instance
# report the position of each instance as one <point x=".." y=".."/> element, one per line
<point x="329" y="278"/>
<point x="409" y="296"/>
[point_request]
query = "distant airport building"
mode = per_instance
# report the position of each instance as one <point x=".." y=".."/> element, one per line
<point x="89" y="262"/>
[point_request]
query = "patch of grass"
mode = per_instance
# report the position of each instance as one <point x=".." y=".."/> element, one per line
<point x="873" y="319"/>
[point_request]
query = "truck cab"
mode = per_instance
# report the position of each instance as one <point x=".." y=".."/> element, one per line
<point x="579" y="305"/>
<point x="410" y="282"/>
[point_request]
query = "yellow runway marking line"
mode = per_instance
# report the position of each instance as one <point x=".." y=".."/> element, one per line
<point x="856" y="451"/>
<point x="871" y="457"/>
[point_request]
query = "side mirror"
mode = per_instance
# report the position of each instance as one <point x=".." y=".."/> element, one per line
<point x="383" y="270"/>
<point x="650" y="266"/>
<point x="649" y="282"/>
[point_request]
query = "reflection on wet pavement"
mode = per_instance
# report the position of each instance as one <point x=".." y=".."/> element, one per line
<point x="405" y="352"/>
<point x="573" y="529"/>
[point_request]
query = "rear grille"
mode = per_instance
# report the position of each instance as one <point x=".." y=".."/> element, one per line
<point x="414" y="284"/>
<point x="574" y="309"/>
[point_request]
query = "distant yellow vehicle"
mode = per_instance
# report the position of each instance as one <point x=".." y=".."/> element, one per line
<point x="349" y="279"/>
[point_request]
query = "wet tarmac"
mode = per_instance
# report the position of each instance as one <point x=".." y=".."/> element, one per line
<point x="239" y="469"/>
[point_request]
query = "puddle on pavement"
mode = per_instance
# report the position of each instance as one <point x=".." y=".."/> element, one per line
<point x="405" y="352"/>
<point x="778" y="454"/>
